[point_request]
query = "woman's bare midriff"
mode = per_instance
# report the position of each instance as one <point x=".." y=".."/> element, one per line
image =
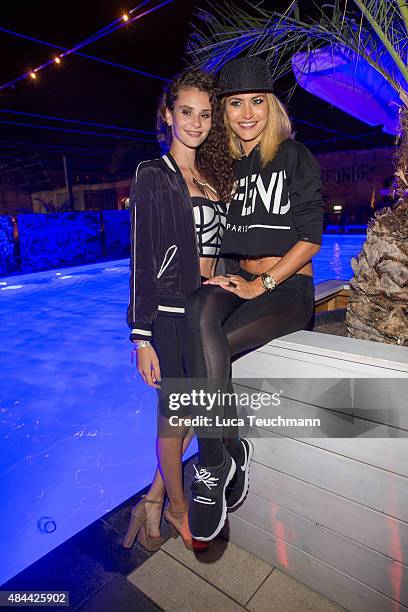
<point x="265" y="264"/>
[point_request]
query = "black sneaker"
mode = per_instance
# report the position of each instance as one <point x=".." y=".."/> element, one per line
<point x="208" y="508"/>
<point x="238" y="487"/>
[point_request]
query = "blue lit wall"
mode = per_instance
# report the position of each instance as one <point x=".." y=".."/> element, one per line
<point x="116" y="226"/>
<point x="8" y="260"/>
<point x="48" y="241"/>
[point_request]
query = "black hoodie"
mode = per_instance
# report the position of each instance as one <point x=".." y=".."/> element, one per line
<point x="276" y="206"/>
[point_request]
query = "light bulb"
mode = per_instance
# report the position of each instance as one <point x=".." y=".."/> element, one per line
<point x="57" y="60"/>
<point x="33" y="75"/>
<point x="125" y="17"/>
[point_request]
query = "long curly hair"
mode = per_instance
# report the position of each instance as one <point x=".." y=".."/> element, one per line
<point x="212" y="159"/>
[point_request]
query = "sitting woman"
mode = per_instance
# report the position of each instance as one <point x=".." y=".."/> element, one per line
<point x="274" y="228"/>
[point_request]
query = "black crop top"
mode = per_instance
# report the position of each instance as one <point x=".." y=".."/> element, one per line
<point x="210" y="224"/>
<point x="274" y="206"/>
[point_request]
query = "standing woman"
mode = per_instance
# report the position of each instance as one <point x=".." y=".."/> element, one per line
<point x="177" y="220"/>
<point x="274" y="228"/>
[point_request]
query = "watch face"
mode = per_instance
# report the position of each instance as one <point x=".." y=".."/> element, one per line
<point x="268" y="282"/>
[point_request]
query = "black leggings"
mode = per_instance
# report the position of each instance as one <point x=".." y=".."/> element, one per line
<point x="221" y="327"/>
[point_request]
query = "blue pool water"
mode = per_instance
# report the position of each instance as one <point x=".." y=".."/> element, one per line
<point x="77" y="424"/>
<point x="333" y="260"/>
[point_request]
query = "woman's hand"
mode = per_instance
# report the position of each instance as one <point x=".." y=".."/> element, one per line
<point x="247" y="290"/>
<point x="148" y="365"/>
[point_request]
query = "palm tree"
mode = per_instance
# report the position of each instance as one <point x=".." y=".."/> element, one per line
<point x="376" y="31"/>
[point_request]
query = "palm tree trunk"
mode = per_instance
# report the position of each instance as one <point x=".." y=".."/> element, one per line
<point x="378" y="307"/>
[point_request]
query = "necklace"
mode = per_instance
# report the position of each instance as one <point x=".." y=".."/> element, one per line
<point x="202" y="185"/>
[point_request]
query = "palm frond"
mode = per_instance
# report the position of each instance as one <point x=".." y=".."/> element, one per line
<point x="375" y="30"/>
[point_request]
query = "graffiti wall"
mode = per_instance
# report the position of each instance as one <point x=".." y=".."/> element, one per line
<point x="116" y="226"/>
<point x="354" y="178"/>
<point x="45" y="241"/>
<point x="8" y="247"/>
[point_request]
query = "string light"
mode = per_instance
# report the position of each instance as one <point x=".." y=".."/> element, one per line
<point x="125" y="17"/>
<point x="54" y="128"/>
<point x="10" y="111"/>
<point x="25" y="144"/>
<point x="118" y="23"/>
<point x="87" y="56"/>
<point x="57" y="60"/>
<point x="361" y="137"/>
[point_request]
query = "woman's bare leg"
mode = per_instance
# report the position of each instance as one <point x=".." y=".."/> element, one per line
<point x="169" y="454"/>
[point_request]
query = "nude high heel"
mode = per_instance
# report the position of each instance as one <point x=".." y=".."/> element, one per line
<point x="190" y="543"/>
<point x="138" y="526"/>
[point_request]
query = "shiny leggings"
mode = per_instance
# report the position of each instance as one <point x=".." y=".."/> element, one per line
<point x="221" y="327"/>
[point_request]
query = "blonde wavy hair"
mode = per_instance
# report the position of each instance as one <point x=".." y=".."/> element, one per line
<point x="278" y="128"/>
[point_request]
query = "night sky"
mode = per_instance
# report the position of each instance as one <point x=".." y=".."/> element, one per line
<point x="86" y="90"/>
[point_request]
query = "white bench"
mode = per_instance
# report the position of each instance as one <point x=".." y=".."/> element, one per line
<point x="326" y="288"/>
<point x="331" y="294"/>
<point x="331" y="511"/>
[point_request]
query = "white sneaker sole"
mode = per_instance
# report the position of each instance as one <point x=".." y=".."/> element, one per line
<point x="246" y="482"/>
<point x="224" y="507"/>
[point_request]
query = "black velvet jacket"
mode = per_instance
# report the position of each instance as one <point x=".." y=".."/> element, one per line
<point x="164" y="260"/>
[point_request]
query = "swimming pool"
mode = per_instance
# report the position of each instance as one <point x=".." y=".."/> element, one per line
<point x="77" y="424"/>
<point x="333" y="260"/>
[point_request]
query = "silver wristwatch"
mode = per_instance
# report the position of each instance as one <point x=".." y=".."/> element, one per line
<point x="268" y="281"/>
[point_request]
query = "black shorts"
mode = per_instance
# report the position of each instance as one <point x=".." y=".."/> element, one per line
<point x="168" y="337"/>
